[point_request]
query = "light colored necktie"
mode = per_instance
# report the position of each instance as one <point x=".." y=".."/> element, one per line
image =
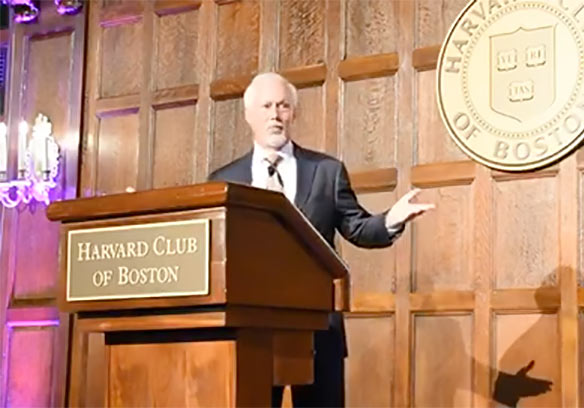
<point x="274" y="181"/>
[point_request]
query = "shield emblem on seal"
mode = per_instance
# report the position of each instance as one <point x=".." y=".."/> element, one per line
<point x="522" y="72"/>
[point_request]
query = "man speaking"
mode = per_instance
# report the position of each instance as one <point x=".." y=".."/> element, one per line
<point x="319" y="186"/>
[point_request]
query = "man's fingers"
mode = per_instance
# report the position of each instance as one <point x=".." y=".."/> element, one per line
<point x="421" y="208"/>
<point x="411" y="194"/>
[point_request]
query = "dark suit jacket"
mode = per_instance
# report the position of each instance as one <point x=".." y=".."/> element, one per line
<point x="325" y="196"/>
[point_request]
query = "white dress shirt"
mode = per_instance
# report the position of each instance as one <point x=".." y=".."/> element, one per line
<point x="286" y="168"/>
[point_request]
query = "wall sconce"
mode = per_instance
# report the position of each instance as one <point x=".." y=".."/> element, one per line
<point x="69" y="7"/>
<point x="38" y="164"/>
<point x="26" y="11"/>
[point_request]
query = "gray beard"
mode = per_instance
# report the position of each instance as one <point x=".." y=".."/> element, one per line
<point x="276" y="141"/>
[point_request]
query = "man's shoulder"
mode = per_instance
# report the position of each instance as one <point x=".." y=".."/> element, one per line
<point x="319" y="157"/>
<point x="231" y="169"/>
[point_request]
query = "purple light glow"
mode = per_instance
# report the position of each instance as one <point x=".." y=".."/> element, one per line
<point x="68" y="7"/>
<point x="25" y="11"/>
<point x="32" y="323"/>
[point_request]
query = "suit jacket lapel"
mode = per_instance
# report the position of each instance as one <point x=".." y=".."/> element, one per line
<point x="305" y="168"/>
<point x="244" y="171"/>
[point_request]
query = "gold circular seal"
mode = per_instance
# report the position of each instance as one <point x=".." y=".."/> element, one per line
<point x="510" y="81"/>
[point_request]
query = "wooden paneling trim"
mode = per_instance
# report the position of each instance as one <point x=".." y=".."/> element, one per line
<point x="306" y="76"/>
<point x="222" y="2"/>
<point x="372" y="302"/>
<point x="442" y="301"/>
<point x="255" y="317"/>
<point x="374" y="180"/>
<point x="425" y="58"/>
<point x="229" y="88"/>
<point x="581" y="297"/>
<point x="569" y="243"/>
<point x="269" y="36"/>
<point x="367" y="315"/>
<point x="405" y="18"/>
<point x="4" y="36"/>
<point x="371" y="66"/>
<point x="580" y="158"/>
<point x="301" y="77"/>
<point x="444" y="174"/>
<point x="166" y="7"/>
<point x="117" y="104"/>
<point x="551" y="171"/>
<point x="43" y="300"/>
<point x="29" y="317"/>
<point x="146" y="114"/>
<point x="547" y="299"/>
<point x="124" y="13"/>
<point x="481" y="255"/>
<point x="183" y="95"/>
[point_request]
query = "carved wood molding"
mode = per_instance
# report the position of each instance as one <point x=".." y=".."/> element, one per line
<point x="182" y="95"/>
<point x="526" y="299"/>
<point x="384" y="179"/>
<point x="301" y="77"/>
<point x="229" y="88"/>
<point x="38" y="300"/>
<point x="33" y="315"/>
<point x="425" y="58"/>
<point x="164" y="7"/>
<point x="442" y="301"/>
<point x="444" y="174"/>
<point x="372" y="302"/>
<point x="306" y="76"/>
<point x="117" y="104"/>
<point x="551" y="171"/>
<point x="372" y="66"/>
<point x="580" y="158"/>
<point x="581" y="297"/>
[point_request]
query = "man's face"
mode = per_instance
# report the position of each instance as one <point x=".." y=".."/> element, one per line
<point x="271" y="113"/>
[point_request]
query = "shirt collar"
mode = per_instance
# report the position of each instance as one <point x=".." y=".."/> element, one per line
<point x="286" y="151"/>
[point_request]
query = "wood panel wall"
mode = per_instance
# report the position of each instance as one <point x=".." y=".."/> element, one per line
<point x="45" y="76"/>
<point x="467" y="298"/>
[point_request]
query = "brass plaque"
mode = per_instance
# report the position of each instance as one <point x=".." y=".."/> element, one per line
<point x="164" y="259"/>
<point x="509" y="81"/>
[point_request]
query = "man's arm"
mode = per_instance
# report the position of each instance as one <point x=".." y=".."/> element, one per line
<point x="372" y="231"/>
<point x="356" y="224"/>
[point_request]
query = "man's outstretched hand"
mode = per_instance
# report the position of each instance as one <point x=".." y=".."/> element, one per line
<point x="404" y="210"/>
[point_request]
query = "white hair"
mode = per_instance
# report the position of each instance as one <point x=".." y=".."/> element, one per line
<point x="250" y="91"/>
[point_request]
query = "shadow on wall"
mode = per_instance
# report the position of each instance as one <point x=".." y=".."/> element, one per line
<point x="523" y="369"/>
<point x="511" y="386"/>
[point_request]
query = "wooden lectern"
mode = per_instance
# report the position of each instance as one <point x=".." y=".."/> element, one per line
<point x="269" y="286"/>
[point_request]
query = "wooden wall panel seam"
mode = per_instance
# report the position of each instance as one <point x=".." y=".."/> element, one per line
<point x="406" y="117"/>
<point x="146" y="116"/>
